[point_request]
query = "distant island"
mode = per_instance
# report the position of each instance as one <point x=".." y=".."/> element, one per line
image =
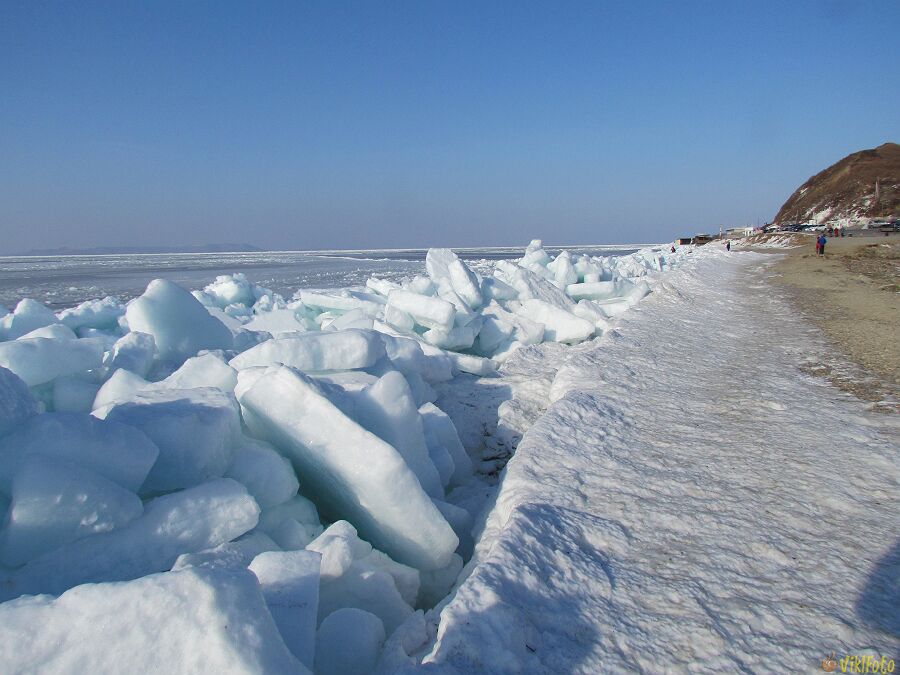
<point x="112" y="250"/>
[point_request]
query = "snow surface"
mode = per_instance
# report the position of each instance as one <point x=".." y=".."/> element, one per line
<point x="687" y="503"/>
<point x="664" y="509"/>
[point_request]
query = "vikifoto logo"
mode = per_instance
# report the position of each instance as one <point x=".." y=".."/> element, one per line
<point x="858" y="664"/>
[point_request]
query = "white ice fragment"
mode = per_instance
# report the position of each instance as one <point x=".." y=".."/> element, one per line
<point x="381" y="286"/>
<point x="55" y="502"/>
<point x="441" y="459"/>
<point x="440" y="430"/>
<point x="592" y="312"/>
<point x="17" y="404"/>
<point x="388" y="410"/>
<point x="494" y="333"/>
<point x="348" y="380"/>
<point x="398" y="320"/>
<point x="421" y="285"/>
<point x="535" y="250"/>
<point x="207" y="370"/>
<point x="56" y="331"/>
<point x="182" y="522"/>
<point x="268" y="476"/>
<point x="370" y="304"/>
<point x="348" y="642"/>
<point x="179" y="324"/>
<point x="524" y="330"/>
<point x="506" y="350"/>
<point x="339" y="546"/>
<point x="74" y="393"/>
<point x="317" y="351"/>
<point x="289" y="581"/>
<point x="229" y="289"/>
<point x="448" y="272"/>
<point x="563" y="270"/>
<point x="115" y="451"/>
<point x="475" y="365"/>
<point x="493" y="288"/>
<point x="560" y="325"/>
<point x="40" y="360"/>
<point x="195" y="430"/>
<point x="460" y="337"/>
<point x="276" y="321"/>
<point x="28" y="315"/>
<point x="427" y="311"/>
<point x="530" y="285"/>
<point x="235" y="554"/>
<point x="355" y="318"/>
<point x="353" y="575"/>
<point x="103" y="314"/>
<point x="121" y="386"/>
<point x="600" y="290"/>
<point x="348" y="471"/>
<point x="135" y="352"/>
<point x="410" y="356"/>
<point x="410" y="638"/>
<point x="436" y="584"/>
<point x="461" y="522"/>
<point x="292" y="524"/>
<point x="191" y="621"/>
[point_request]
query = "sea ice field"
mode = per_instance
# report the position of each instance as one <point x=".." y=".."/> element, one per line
<point x="67" y="280"/>
<point x="539" y="461"/>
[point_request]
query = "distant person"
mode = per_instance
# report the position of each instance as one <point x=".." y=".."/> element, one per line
<point x="820" y="244"/>
<point x="728" y="245"/>
<point x="673" y="249"/>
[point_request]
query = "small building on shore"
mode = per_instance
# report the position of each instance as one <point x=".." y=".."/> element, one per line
<point x="738" y="232"/>
<point x="700" y="239"/>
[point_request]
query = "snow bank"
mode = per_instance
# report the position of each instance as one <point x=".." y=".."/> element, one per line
<point x="674" y="494"/>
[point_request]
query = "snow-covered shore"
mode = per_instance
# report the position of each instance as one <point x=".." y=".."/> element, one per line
<point x="665" y="504"/>
<point x="690" y="500"/>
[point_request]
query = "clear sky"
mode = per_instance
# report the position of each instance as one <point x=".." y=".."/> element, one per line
<point x="362" y="124"/>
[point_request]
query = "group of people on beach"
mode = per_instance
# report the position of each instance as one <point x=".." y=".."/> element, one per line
<point x="820" y="244"/>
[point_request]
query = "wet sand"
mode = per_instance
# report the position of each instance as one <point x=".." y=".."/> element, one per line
<point x="853" y="294"/>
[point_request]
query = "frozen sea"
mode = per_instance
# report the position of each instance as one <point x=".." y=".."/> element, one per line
<point x="66" y="280"/>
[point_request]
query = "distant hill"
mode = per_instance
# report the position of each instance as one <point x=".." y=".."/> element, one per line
<point x="847" y="189"/>
<point x="113" y="250"/>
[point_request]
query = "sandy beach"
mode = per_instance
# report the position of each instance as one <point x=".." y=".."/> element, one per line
<point x="851" y="293"/>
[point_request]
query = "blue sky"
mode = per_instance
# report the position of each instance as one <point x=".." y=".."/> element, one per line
<point x="350" y="125"/>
